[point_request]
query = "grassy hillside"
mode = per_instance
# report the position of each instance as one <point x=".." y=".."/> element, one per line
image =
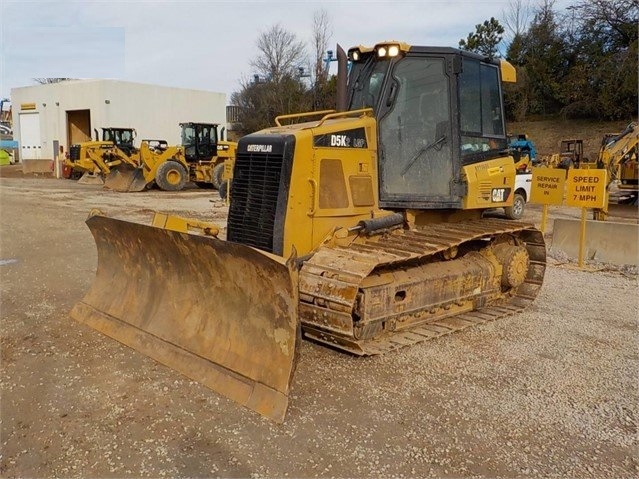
<point x="547" y="134"/>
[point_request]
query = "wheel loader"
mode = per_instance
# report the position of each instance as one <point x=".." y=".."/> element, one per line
<point x="198" y="159"/>
<point x="205" y="153"/>
<point x="154" y="163"/>
<point x="358" y="228"/>
<point x="91" y="162"/>
<point x="120" y="166"/>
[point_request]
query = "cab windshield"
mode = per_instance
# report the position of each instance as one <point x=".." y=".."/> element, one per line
<point x="118" y="137"/>
<point x="188" y="136"/>
<point x="365" y="82"/>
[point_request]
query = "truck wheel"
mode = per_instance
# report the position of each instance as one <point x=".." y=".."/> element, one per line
<point x="171" y="176"/>
<point x="516" y="211"/>
<point x="216" y="176"/>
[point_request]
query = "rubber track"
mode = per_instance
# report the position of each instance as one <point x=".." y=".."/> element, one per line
<point x="330" y="280"/>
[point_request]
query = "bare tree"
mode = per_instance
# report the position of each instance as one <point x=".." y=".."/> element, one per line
<point x="516" y="17"/>
<point x="281" y="53"/>
<point x="46" y="81"/>
<point x="322" y="32"/>
<point x="615" y="21"/>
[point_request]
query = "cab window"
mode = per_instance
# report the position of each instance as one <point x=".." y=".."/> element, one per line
<point x="481" y="116"/>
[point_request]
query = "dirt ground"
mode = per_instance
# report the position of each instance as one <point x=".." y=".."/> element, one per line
<point x="549" y="392"/>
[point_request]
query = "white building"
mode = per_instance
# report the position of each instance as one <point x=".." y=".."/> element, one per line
<point x="47" y="119"/>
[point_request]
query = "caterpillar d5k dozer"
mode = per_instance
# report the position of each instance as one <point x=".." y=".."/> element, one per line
<point x="378" y="208"/>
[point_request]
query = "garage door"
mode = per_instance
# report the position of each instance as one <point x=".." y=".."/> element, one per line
<point x="30" y="142"/>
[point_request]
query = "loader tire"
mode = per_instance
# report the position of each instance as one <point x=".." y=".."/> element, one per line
<point x="216" y="175"/>
<point x="171" y="176"/>
<point x="516" y="211"/>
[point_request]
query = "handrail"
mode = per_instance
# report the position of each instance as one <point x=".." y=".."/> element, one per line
<point x="313" y="183"/>
<point x="345" y="114"/>
<point x="300" y="115"/>
<point x="328" y="115"/>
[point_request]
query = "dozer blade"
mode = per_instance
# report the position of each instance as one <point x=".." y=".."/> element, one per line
<point x="221" y="313"/>
<point x="91" y="179"/>
<point x="125" y="178"/>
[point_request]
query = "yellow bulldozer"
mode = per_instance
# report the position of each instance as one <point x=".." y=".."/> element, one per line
<point x="360" y="228"/>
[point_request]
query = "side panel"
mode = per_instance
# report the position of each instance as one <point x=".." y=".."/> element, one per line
<point x="490" y="183"/>
<point x="345" y="175"/>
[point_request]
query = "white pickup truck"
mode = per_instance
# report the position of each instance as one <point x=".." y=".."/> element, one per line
<point x="521" y="196"/>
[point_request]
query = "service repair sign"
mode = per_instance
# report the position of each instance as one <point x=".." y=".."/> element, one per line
<point x="586" y="188"/>
<point x="547" y="187"/>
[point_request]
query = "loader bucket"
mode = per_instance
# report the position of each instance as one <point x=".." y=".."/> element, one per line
<point x="125" y="178"/>
<point x="91" y="179"/>
<point x="221" y="313"/>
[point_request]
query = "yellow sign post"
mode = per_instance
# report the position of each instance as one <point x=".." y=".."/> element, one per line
<point x="586" y="188"/>
<point x="547" y="188"/>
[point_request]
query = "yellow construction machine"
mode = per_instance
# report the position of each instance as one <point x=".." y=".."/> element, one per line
<point x="360" y="228"/>
<point x="619" y="154"/>
<point x="92" y="161"/>
<point x="154" y="163"/>
<point x="205" y="153"/>
<point x="120" y="166"/>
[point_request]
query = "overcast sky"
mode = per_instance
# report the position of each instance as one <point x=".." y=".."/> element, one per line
<point x="205" y="44"/>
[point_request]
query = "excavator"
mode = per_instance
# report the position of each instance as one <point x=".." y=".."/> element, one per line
<point x="359" y="228"/>
<point x="619" y="154"/>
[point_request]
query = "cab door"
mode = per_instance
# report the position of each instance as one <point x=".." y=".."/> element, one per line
<point x="416" y="141"/>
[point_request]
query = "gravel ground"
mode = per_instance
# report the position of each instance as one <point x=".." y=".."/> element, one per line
<point x="549" y="392"/>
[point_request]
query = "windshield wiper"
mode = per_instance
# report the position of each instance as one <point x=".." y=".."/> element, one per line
<point x="437" y="144"/>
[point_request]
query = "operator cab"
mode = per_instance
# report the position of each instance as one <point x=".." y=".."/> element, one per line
<point x="121" y="137"/>
<point x="438" y="109"/>
<point x="199" y="141"/>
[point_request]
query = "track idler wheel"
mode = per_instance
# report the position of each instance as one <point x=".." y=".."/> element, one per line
<point x="514" y="260"/>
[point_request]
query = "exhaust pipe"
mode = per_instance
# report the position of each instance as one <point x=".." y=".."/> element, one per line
<point x="342" y="78"/>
